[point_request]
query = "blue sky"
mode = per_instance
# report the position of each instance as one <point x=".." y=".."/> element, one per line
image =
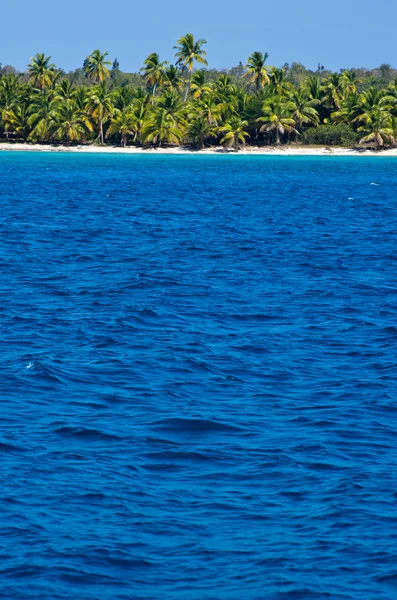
<point x="339" y="33"/>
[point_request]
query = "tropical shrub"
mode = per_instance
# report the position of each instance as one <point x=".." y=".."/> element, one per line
<point x="330" y="135"/>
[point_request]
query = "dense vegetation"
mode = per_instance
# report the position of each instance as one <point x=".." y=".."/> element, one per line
<point x="185" y="102"/>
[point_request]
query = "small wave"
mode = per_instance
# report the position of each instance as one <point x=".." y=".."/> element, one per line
<point x="292" y="495"/>
<point x="390" y="329"/>
<point x="44" y="372"/>
<point x="93" y="497"/>
<point x="105" y="342"/>
<point x="85" y="433"/>
<point x="194" y="425"/>
<point x="389" y="578"/>
<point x="200" y="365"/>
<point x="7" y="447"/>
<point x="321" y="466"/>
<point x="148" y="312"/>
<point x="252" y="317"/>
<point x="79" y="577"/>
<point x="178" y="456"/>
<point x="129" y="563"/>
<point x="302" y="594"/>
<point x="20" y="572"/>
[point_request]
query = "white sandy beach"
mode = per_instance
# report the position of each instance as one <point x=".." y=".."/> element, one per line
<point x="248" y="150"/>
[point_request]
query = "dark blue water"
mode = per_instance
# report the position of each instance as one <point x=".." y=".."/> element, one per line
<point x="198" y="377"/>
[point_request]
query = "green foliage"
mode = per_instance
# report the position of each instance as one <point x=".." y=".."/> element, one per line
<point x="186" y="102"/>
<point x="96" y="66"/>
<point x="330" y="135"/>
<point x="41" y="71"/>
<point x="123" y="122"/>
<point x="188" y="52"/>
<point x="234" y="133"/>
<point x="200" y="130"/>
<point x="154" y="72"/>
<point x="161" y="128"/>
<point x="257" y="70"/>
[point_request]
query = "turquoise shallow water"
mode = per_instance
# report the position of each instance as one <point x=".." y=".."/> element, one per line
<point x="198" y="377"/>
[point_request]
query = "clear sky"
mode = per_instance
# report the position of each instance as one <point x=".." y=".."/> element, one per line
<point x="338" y="33"/>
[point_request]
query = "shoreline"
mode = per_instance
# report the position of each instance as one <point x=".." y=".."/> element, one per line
<point x="247" y="151"/>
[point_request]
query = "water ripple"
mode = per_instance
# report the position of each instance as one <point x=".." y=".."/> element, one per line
<point x="198" y="390"/>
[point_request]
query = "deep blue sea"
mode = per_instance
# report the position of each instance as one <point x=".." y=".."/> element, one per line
<point x="198" y="377"/>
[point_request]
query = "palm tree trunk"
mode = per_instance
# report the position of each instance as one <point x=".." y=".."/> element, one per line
<point x="277" y="137"/>
<point x="101" y="132"/>
<point x="188" y="86"/>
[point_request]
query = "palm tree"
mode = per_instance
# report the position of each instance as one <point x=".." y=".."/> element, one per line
<point x="393" y="124"/>
<point x="278" y="84"/>
<point x="239" y="101"/>
<point x="350" y="81"/>
<point x="392" y="88"/>
<point x="10" y="88"/>
<point x="81" y="100"/>
<point x="81" y="103"/>
<point x="41" y="71"/>
<point x="42" y="108"/>
<point x="67" y="123"/>
<point x="349" y="111"/>
<point x="333" y="89"/>
<point x="210" y="110"/>
<point x="140" y="111"/>
<point x="198" y="131"/>
<point x="373" y="97"/>
<point x="377" y="128"/>
<point x="235" y="132"/>
<point x="140" y="92"/>
<point x="369" y="101"/>
<point x="123" y="97"/>
<point x="64" y="91"/>
<point x="18" y="119"/>
<point x="312" y="85"/>
<point x="154" y="71"/>
<point x="96" y="66"/>
<point x="278" y="117"/>
<point x="173" y="78"/>
<point x="55" y="80"/>
<point x="171" y="101"/>
<point x="257" y="70"/>
<point x="224" y="92"/>
<point x="161" y="128"/>
<point x="188" y="53"/>
<point x="100" y="106"/>
<point x="199" y="85"/>
<point x="122" y="122"/>
<point x="303" y="111"/>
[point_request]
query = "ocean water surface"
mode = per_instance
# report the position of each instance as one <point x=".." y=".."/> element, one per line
<point x="198" y="377"/>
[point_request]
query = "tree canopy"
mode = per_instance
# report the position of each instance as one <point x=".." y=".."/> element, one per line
<point x="186" y="102"/>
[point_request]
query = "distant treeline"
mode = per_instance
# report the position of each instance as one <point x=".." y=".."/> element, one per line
<point x="189" y="103"/>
